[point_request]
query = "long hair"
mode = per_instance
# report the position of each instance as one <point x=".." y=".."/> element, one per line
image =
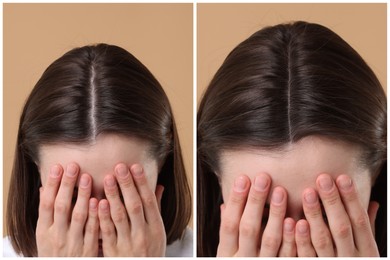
<point x="284" y="83"/>
<point x="87" y="92"/>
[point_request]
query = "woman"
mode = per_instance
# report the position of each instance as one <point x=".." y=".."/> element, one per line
<point x="97" y="159"/>
<point x="292" y="149"/>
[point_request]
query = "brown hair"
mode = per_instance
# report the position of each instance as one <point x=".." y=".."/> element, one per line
<point x="86" y="92"/>
<point x="284" y="83"/>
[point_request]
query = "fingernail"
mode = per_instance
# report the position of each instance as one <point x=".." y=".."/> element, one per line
<point x="277" y="196"/>
<point x="110" y="181"/>
<point x="55" y="171"/>
<point x="302" y="228"/>
<point x="71" y="170"/>
<point x="240" y="184"/>
<point x="345" y="183"/>
<point x="288" y="226"/>
<point x="103" y="205"/>
<point x="84" y="181"/>
<point x="121" y="170"/>
<point x="137" y="170"/>
<point x="93" y="204"/>
<point x="261" y="183"/>
<point x="326" y="183"/>
<point x="310" y="197"/>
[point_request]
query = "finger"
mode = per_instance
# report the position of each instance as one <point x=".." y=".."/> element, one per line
<point x="319" y="232"/>
<point x="272" y="236"/>
<point x="91" y="236"/>
<point x="47" y="197"/>
<point x="231" y="217"/>
<point x="250" y="224"/>
<point x="159" y="193"/>
<point x="288" y="247"/>
<point x="302" y="238"/>
<point x="80" y="210"/>
<point x="373" y="208"/>
<point x="148" y="198"/>
<point x="130" y="195"/>
<point x="339" y="223"/>
<point x="63" y="203"/>
<point x="117" y="209"/>
<point x="107" y="227"/>
<point x="361" y="226"/>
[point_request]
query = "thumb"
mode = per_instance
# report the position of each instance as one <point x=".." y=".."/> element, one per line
<point x="372" y="212"/>
<point x="159" y="193"/>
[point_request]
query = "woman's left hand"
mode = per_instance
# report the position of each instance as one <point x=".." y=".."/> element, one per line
<point x="135" y="227"/>
<point x="350" y="228"/>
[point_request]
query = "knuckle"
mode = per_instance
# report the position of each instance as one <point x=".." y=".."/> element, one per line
<point x="301" y="242"/>
<point x="314" y="213"/>
<point x="343" y="230"/>
<point x="52" y="182"/>
<point x="141" y="181"/>
<point x="270" y="242"/>
<point x="322" y="242"/>
<point x="119" y="215"/>
<point x="351" y="197"/>
<point x="256" y="198"/>
<point x="276" y="212"/>
<point x="126" y="183"/>
<point x="59" y="241"/>
<point x="248" y="230"/>
<point x="160" y="230"/>
<point x="79" y="216"/>
<point x="83" y="193"/>
<point x="142" y="243"/>
<point x="112" y="193"/>
<point x="107" y="230"/>
<point x="361" y="221"/>
<point x="332" y="200"/>
<point x="61" y="207"/>
<point x="68" y="182"/>
<point x="91" y="228"/>
<point x="149" y="201"/>
<point x="229" y="227"/>
<point x="136" y="208"/>
<point x="288" y="240"/>
<point x="237" y="199"/>
<point x="46" y="205"/>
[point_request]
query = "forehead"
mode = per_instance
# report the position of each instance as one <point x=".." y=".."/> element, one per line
<point x="296" y="166"/>
<point x="99" y="157"/>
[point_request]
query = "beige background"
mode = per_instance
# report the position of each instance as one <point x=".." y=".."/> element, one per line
<point x="221" y="27"/>
<point x="159" y="35"/>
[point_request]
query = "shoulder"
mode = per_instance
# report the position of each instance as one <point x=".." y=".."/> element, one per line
<point x="8" y="250"/>
<point x="183" y="246"/>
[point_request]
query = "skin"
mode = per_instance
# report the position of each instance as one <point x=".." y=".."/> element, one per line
<point x="116" y="209"/>
<point x="288" y="186"/>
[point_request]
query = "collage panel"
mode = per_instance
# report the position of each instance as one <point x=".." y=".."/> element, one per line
<point x="98" y="129"/>
<point x="292" y="129"/>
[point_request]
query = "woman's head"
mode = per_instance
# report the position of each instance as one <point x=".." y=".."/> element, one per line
<point x="284" y="89"/>
<point x="89" y="99"/>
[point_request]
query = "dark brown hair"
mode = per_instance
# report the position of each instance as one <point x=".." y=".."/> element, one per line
<point x="86" y="92"/>
<point x="284" y="83"/>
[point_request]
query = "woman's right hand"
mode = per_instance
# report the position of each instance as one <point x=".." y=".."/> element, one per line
<point x="61" y="229"/>
<point x="241" y="232"/>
